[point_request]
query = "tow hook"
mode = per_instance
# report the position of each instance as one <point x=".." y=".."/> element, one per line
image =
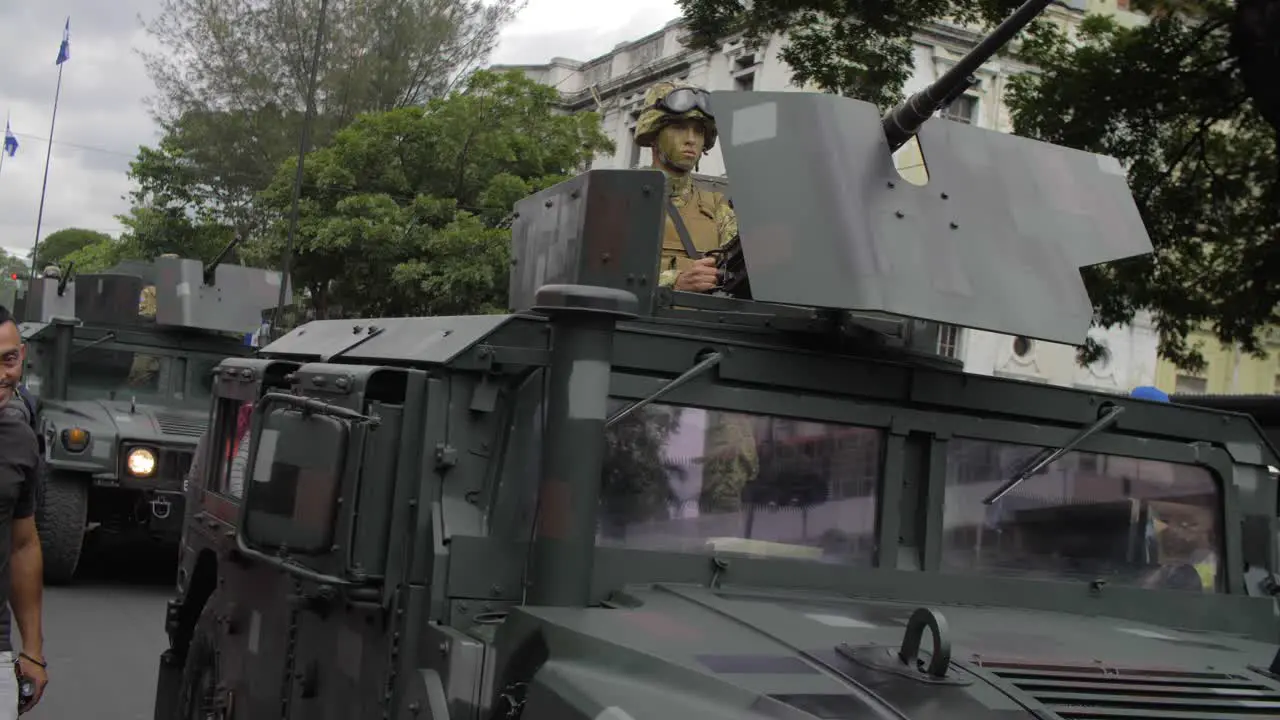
<point x="161" y="508"/>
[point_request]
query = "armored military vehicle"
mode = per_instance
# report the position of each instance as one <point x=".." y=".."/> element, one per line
<point x="121" y="363"/>
<point x="619" y="501"/>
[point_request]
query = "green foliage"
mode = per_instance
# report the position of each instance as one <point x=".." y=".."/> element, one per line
<point x="57" y="245"/>
<point x="102" y="255"/>
<point x="854" y="48"/>
<point x="181" y="203"/>
<point x="233" y="80"/>
<point x="1166" y="99"/>
<point x="1163" y="97"/>
<point x="9" y="265"/>
<point x="404" y="213"/>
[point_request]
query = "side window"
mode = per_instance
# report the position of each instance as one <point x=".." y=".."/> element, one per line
<point x="1128" y="521"/>
<point x="692" y="480"/>
<point x="230" y="447"/>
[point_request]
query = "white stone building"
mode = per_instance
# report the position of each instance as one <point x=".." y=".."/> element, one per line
<point x="614" y="85"/>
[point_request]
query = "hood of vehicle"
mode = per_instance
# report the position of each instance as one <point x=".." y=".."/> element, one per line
<point x="143" y="423"/>
<point x="685" y="652"/>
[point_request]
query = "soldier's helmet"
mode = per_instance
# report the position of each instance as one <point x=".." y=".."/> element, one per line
<point x="668" y="102"/>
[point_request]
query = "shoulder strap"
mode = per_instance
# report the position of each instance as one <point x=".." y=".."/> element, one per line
<point x="682" y="231"/>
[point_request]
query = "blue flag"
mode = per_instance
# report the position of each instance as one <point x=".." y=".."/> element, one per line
<point x="10" y="142"/>
<point x="64" y="51"/>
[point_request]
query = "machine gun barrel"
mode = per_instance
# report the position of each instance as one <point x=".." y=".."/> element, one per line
<point x="901" y="123"/>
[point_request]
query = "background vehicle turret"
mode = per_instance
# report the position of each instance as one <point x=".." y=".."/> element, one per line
<point x="121" y="362"/>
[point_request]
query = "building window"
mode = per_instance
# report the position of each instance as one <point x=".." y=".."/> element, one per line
<point x="949" y="341"/>
<point x="964" y="109"/>
<point x="745" y="82"/>
<point x="1189" y="385"/>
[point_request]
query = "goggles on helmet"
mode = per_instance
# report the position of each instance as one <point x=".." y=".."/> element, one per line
<point x="683" y="100"/>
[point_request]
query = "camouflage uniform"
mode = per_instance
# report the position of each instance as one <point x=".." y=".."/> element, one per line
<point x="707" y="214"/>
<point x="145" y="368"/>
<point x="730" y="459"/>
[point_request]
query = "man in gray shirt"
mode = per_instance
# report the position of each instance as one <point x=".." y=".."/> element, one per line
<point x="21" y="562"/>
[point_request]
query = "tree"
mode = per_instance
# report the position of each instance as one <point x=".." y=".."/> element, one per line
<point x="176" y="207"/>
<point x="102" y="255"/>
<point x="58" y="245"/>
<point x="11" y="265"/>
<point x="1164" y="97"/>
<point x="232" y="80"/>
<point x="405" y="212"/>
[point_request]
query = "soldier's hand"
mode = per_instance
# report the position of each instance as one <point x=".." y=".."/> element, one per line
<point x="699" y="278"/>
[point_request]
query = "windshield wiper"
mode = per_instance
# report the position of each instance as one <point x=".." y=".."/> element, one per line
<point x="708" y="362"/>
<point x="1045" y="457"/>
<point x="111" y="335"/>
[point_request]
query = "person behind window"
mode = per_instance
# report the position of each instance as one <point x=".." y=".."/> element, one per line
<point x="240" y="451"/>
<point x="236" y="450"/>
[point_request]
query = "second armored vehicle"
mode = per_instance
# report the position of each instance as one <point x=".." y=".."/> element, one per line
<point x="123" y="373"/>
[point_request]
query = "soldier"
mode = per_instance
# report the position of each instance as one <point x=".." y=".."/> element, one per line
<point x="679" y="128"/>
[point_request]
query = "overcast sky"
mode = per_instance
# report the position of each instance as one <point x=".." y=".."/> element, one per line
<point x="102" y="116"/>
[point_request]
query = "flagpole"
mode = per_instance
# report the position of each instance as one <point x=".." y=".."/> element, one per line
<point x="44" y="185"/>
<point x="7" y="118"/>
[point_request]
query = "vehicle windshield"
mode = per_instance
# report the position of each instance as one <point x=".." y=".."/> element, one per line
<point x="130" y="373"/>
<point x="683" y="479"/>
<point x="1088" y="517"/>
<point x="692" y="480"/>
<point x="201" y="382"/>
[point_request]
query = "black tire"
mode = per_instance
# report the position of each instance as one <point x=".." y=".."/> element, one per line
<point x="201" y="673"/>
<point x="62" y="509"/>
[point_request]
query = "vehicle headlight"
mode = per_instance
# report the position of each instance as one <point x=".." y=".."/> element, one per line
<point x="75" y="439"/>
<point x="141" y="462"/>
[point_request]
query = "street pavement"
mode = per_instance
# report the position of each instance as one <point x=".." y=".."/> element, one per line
<point x="103" y="637"/>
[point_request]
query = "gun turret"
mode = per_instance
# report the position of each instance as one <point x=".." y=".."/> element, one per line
<point x="232" y="302"/>
<point x="830" y="236"/>
<point x="169" y="291"/>
<point x="903" y="123"/>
